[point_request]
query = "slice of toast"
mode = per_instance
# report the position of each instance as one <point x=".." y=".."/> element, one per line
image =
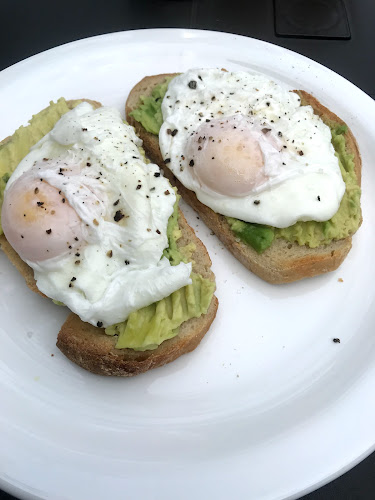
<point x="90" y="348"/>
<point x="282" y="262"/>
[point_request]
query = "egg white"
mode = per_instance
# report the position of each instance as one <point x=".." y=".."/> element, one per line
<point x="305" y="182"/>
<point x="93" y="158"/>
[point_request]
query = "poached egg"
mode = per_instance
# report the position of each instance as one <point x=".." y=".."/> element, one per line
<point x="86" y="212"/>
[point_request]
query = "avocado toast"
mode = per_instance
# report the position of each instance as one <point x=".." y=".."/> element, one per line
<point x="276" y="255"/>
<point x="174" y="325"/>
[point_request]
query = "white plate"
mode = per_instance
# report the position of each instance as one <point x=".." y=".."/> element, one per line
<point x="267" y="406"/>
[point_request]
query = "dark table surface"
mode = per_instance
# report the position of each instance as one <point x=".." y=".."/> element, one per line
<point x="31" y="27"/>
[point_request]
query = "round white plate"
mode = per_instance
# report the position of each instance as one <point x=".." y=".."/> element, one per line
<point x="267" y="406"/>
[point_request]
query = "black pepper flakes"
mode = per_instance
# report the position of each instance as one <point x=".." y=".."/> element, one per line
<point x="118" y="216"/>
<point x="336" y="340"/>
<point x="48" y="231"/>
<point x="158" y="231"/>
<point x="127" y="262"/>
<point x="192" y="84"/>
<point x="88" y="164"/>
<point x="191" y="163"/>
<point x="77" y="262"/>
<point x="73" y="279"/>
<point x="63" y="200"/>
<point x="167" y="160"/>
<point x="300" y="153"/>
<point x="138" y="187"/>
<point x="157" y="174"/>
<point x="318" y="198"/>
<point x="84" y="130"/>
<point x="174" y="132"/>
<point x="36" y="190"/>
<point x="40" y="203"/>
<point x="99" y="324"/>
<point x="166" y="192"/>
<point x="256" y="202"/>
<point x="116" y="203"/>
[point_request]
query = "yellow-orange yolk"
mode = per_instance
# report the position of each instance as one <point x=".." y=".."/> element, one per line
<point x="226" y="157"/>
<point x="38" y="221"/>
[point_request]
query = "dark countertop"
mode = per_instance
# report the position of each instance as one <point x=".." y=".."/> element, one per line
<point x="31" y="27"/>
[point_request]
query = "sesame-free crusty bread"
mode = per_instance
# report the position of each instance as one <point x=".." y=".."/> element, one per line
<point x="90" y="348"/>
<point x="282" y="262"/>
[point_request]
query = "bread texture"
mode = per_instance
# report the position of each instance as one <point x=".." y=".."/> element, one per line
<point x="90" y="348"/>
<point x="282" y="262"/>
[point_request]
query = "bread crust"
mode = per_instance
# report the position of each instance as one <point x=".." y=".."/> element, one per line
<point x="90" y="348"/>
<point x="282" y="262"/>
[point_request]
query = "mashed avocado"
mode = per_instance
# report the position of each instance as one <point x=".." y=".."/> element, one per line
<point x="313" y="234"/>
<point x="257" y="236"/>
<point x="150" y="326"/>
<point x="149" y="111"/>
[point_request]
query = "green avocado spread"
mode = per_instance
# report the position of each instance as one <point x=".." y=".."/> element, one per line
<point x="149" y="111"/>
<point x="313" y="234"/>
<point x="150" y="326"/>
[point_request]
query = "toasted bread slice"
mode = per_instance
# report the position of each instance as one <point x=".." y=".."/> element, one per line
<point x="282" y="262"/>
<point x="90" y="348"/>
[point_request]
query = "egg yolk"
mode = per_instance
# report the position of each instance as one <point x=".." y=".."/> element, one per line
<point x="226" y="157"/>
<point x="38" y="221"/>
